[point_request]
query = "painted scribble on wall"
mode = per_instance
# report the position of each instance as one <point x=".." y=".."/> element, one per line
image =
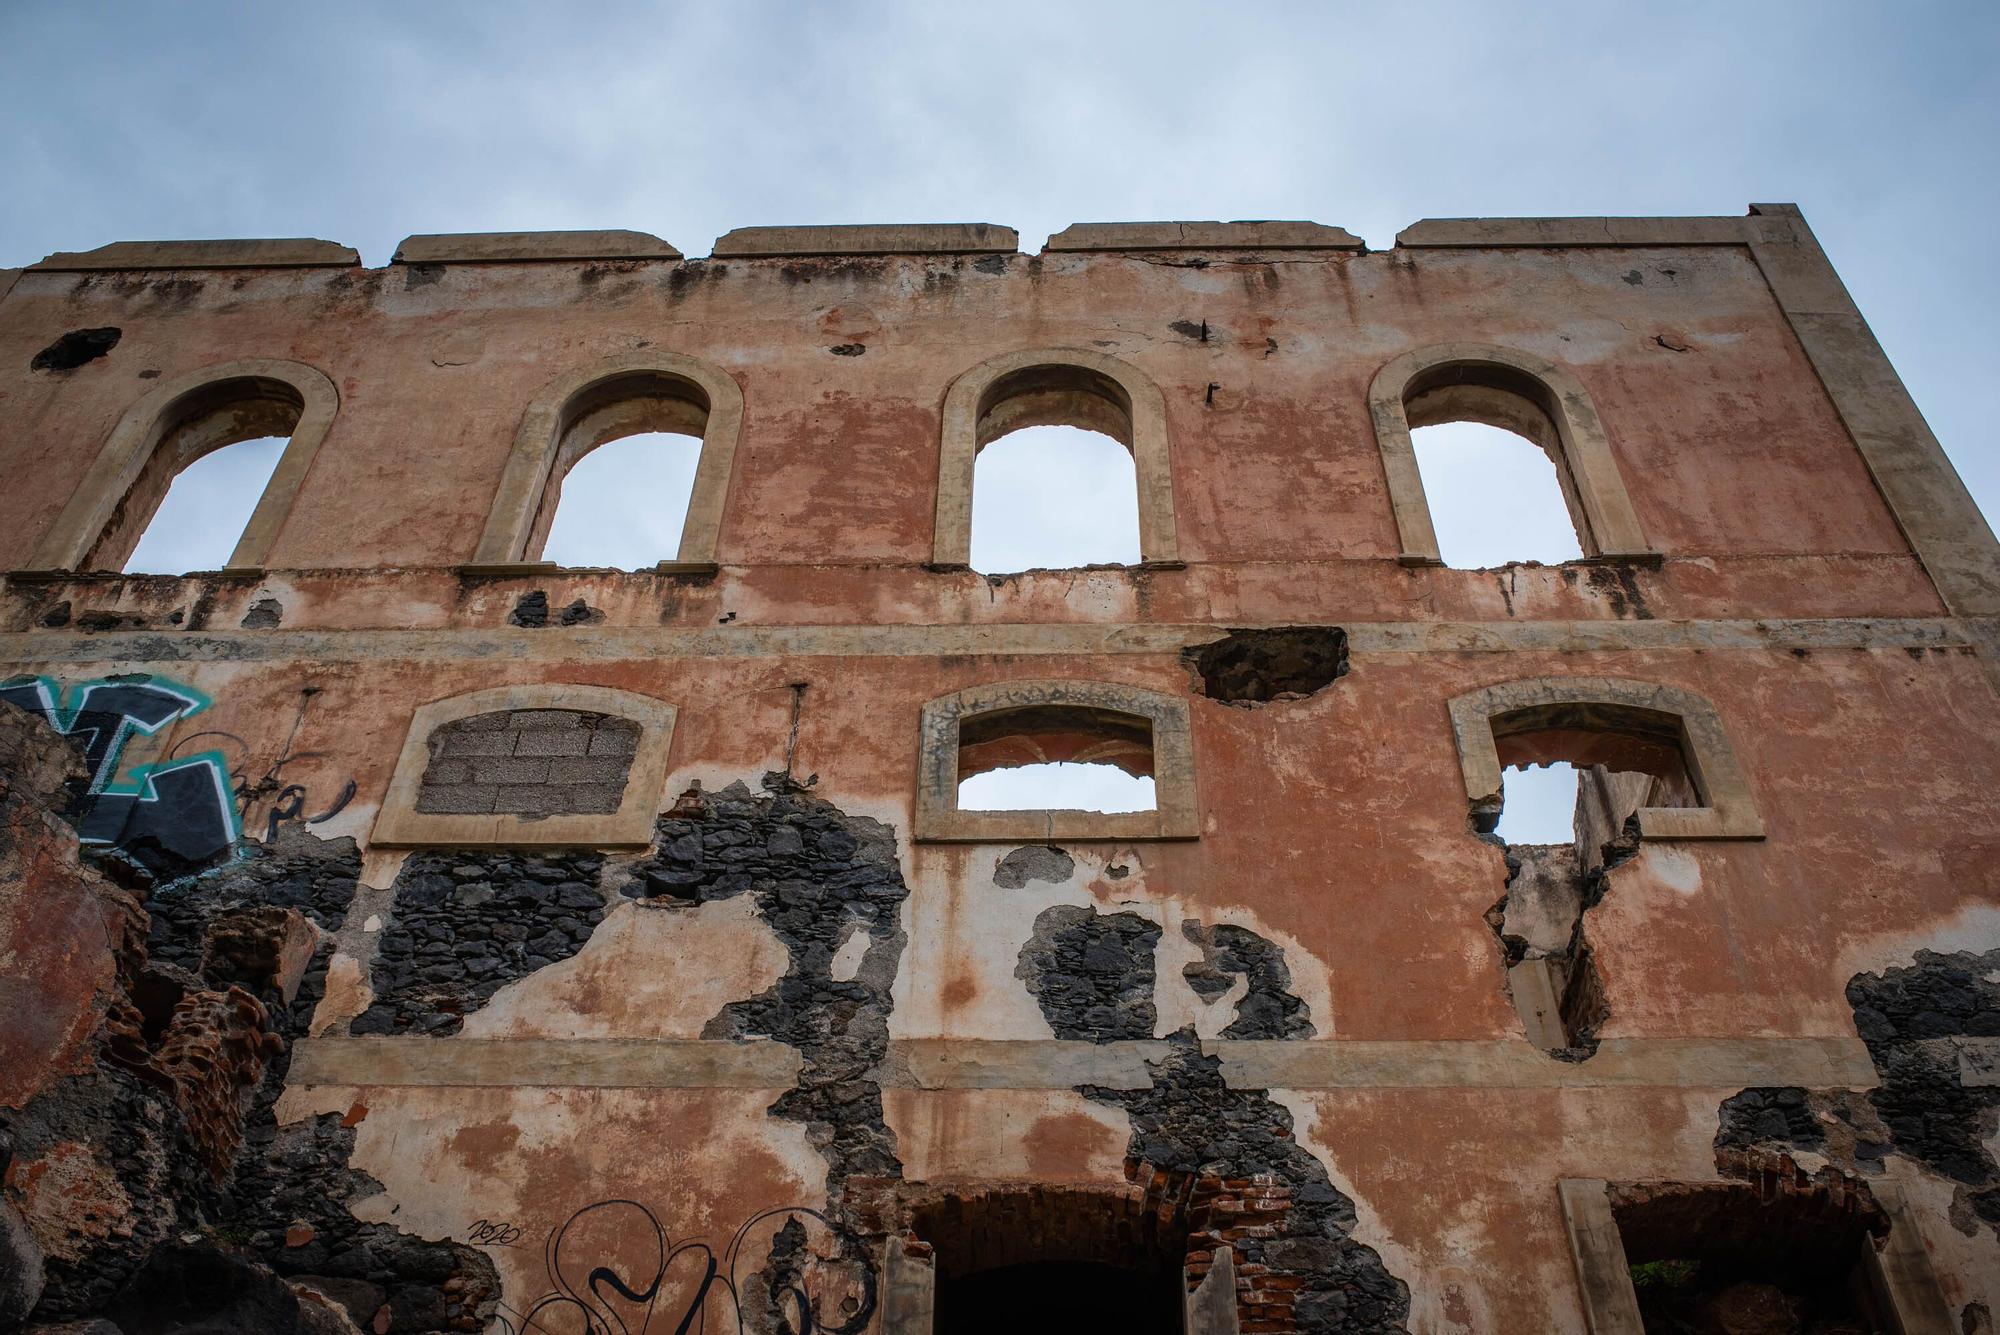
<point x="615" y="1269"/>
<point x="182" y="808"/>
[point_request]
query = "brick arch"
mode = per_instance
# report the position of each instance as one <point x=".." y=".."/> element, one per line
<point x="1598" y="720"/>
<point x="1529" y="395"/>
<point x="178" y="422"/>
<point x="1054" y="386"/>
<point x="576" y="412"/>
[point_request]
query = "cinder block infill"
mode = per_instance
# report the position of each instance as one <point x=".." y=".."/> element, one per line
<point x="882" y="239"/>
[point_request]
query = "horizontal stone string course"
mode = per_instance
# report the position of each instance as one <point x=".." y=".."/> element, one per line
<point x="944" y="1063"/>
<point x="607" y="644"/>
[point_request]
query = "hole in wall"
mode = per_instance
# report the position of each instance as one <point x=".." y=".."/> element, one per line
<point x="623" y="505"/>
<point x="76" y="348"/>
<point x="1054" y="497"/>
<point x="1539" y="804"/>
<point x="206" y="509"/>
<point x="1495" y="497"/>
<point x="1250" y="667"/>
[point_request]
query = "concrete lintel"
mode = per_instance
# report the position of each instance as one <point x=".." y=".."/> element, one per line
<point x="1003" y="639"/>
<point x="520" y="247"/>
<point x="249" y="253"/>
<point x="1462" y="233"/>
<point x="1030" y="1064"/>
<point x="1297" y="235"/>
<point x="881" y="239"/>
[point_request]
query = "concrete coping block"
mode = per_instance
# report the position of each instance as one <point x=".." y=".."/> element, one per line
<point x="880" y="239"/>
<point x="1483" y="232"/>
<point x="254" y="253"/>
<point x="528" y="247"/>
<point x="1297" y="235"/>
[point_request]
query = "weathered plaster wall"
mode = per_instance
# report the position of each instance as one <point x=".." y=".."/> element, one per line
<point x="805" y="1006"/>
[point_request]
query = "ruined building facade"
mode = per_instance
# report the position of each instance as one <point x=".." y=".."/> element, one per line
<point x="401" y="933"/>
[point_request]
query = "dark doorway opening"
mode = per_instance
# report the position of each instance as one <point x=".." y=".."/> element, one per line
<point x="1059" y="1298"/>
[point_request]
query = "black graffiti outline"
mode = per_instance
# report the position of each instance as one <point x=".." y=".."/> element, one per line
<point x="716" y="1274"/>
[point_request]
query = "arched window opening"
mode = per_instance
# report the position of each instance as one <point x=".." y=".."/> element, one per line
<point x="1494" y="497"/>
<point x="1056" y="758"/>
<point x="1058" y="498"/>
<point x="200" y="483"/>
<point x="1054" y="497"/>
<point x="1062" y="490"/>
<point x="624" y="504"/>
<point x="206" y="508"/>
<point x="1477" y="476"/>
<point x="627" y="449"/>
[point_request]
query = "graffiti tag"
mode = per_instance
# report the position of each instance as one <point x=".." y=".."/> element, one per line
<point x="184" y="806"/>
<point x="616" y="1295"/>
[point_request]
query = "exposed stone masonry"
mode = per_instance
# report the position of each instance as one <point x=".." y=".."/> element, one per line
<point x="1268" y="1009"/>
<point x="154" y="1190"/>
<point x="1269" y="1199"/>
<point x="816" y="875"/>
<point x="1092" y="973"/>
<point x="466" y="923"/>
<point x="529" y="762"/>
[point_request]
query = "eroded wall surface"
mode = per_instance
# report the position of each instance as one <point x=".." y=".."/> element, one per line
<point x="255" y="1058"/>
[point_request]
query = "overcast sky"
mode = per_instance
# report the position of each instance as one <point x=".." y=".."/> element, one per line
<point x="364" y="123"/>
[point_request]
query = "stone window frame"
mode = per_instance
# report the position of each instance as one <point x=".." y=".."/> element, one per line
<point x="163" y="414"/>
<point x="1898" y="1269"/>
<point x="565" y="416"/>
<point x="939" y="819"/>
<point x="1065" y="398"/>
<point x="1522" y="393"/>
<point x="400" y="825"/>
<point x="1729" y="810"/>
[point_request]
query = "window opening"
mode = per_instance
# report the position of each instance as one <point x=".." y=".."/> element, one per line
<point x="1495" y="497"/>
<point x="1539" y="804"/>
<point x="1733" y="1257"/>
<point x="1575" y="776"/>
<point x="623" y="504"/>
<point x="207" y="506"/>
<point x="1061" y="786"/>
<point x="1054" y="497"/>
<point x="626" y="454"/>
<point x="1055" y="758"/>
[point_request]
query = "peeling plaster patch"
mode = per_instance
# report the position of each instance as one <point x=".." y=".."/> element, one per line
<point x="1190" y="1121"/>
<point x="810" y="870"/>
<point x="1092" y="973"/>
<point x="1267" y="1007"/>
<point x="1678" y="869"/>
<point x="465" y="923"/>
<point x="1034" y="862"/>
<point x="1908" y="1017"/>
<point x="1020" y="1135"/>
<point x="347" y="995"/>
<point x="646" y="972"/>
<point x="1253" y="667"/>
